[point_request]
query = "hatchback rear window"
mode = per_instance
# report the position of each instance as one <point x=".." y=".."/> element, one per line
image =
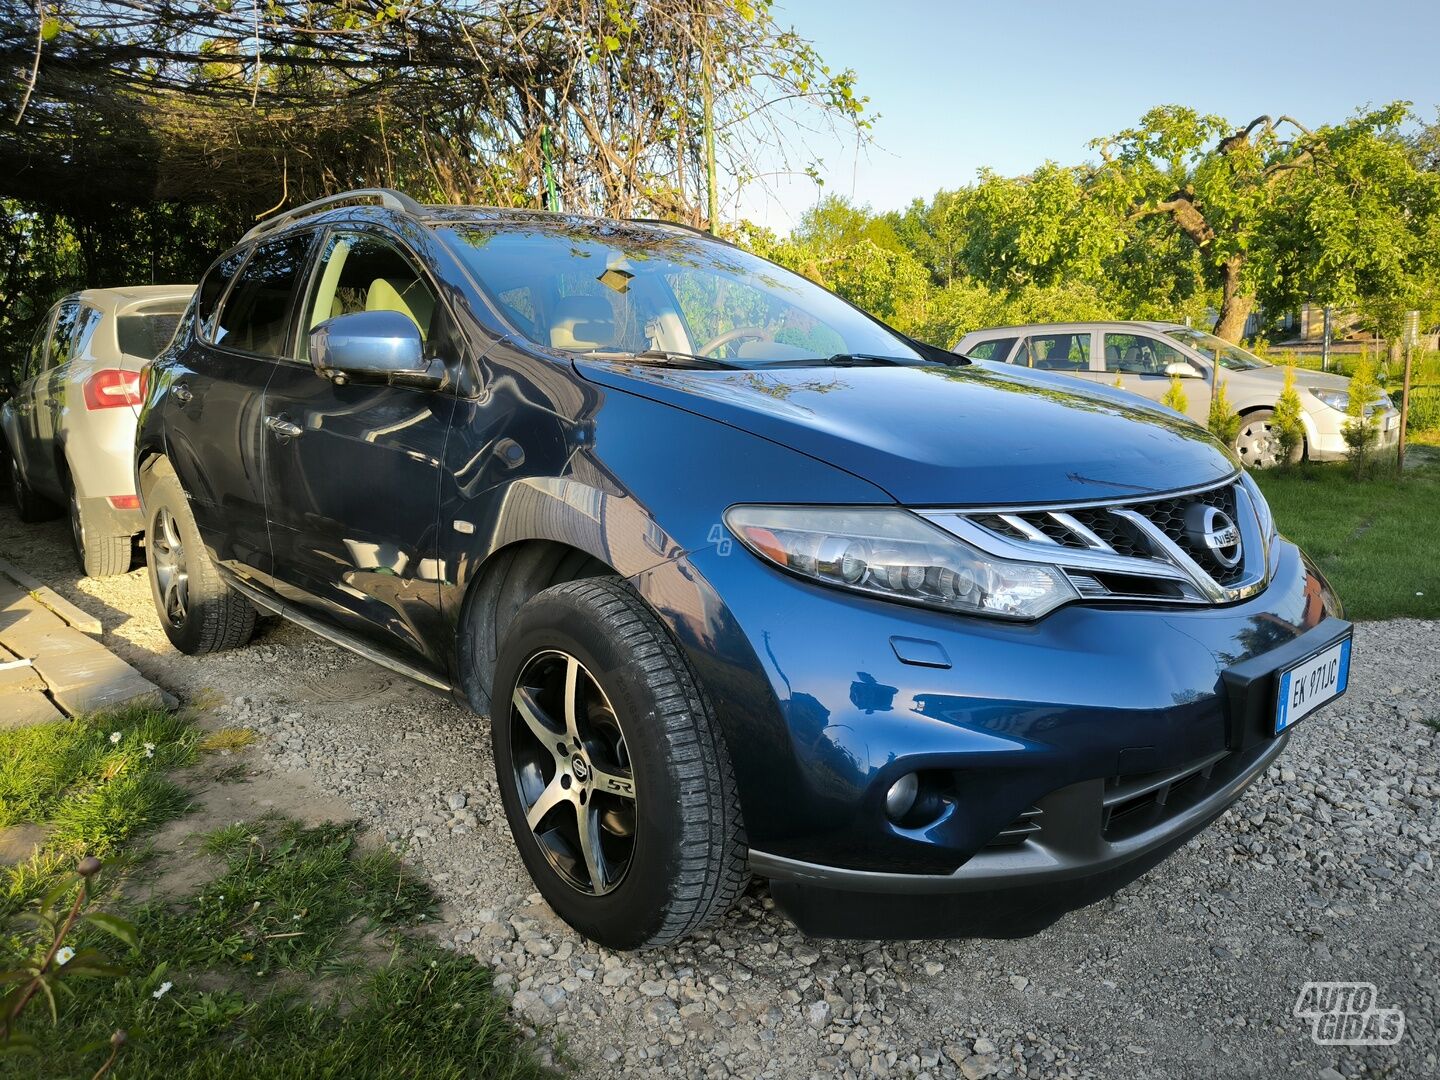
<point x="146" y="335"/>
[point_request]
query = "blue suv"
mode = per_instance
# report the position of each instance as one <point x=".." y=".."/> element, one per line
<point x="747" y="582"/>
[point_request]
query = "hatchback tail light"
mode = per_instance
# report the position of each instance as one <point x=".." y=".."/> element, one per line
<point x="110" y="387"/>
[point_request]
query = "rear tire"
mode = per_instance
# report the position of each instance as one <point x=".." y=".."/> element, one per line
<point x="642" y="767"/>
<point x="100" y="554"/>
<point x="28" y="506"/>
<point x="199" y="612"/>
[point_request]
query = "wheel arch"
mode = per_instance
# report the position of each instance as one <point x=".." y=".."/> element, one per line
<point x="509" y="577"/>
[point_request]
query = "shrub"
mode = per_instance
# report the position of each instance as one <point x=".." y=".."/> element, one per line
<point x="1362" y="429"/>
<point x="1224" y="420"/>
<point x="1175" y="396"/>
<point x="1286" y="425"/>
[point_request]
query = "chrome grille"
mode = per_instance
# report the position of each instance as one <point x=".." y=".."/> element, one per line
<point x="1137" y="550"/>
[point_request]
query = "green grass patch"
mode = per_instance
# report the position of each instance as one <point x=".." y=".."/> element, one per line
<point x="1372" y="537"/>
<point x="298" y="958"/>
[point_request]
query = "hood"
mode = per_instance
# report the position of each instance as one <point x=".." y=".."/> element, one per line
<point x="981" y="434"/>
<point x="1304" y="377"/>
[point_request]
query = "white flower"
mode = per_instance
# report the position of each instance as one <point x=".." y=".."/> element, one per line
<point x="64" y="956"/>
<point x="164" y="989"/>
<point x="149" y="749"/>
<point x="115" y="737"/>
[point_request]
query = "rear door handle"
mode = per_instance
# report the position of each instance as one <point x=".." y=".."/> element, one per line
<point x="182" y="393"/>
<point x="281" y="426"/>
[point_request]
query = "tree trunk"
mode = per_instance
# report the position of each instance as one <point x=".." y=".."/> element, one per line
<point x="1235" y="304"/>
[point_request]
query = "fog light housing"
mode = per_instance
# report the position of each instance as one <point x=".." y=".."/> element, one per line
<point x="900" y="799"/>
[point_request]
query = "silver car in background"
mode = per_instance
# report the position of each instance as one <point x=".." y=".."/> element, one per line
<point x="70" y="427"/>
<point x="1144" y="356"/>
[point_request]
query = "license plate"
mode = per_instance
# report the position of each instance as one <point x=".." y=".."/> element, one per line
<point x="1310" y="684"/>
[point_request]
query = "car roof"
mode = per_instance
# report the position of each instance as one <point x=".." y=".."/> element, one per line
<point x="1025" y="328"/>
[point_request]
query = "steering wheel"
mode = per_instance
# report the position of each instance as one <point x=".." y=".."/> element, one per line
<point x="740" y="333"/>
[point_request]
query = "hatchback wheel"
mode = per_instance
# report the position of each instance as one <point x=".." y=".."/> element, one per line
<point x="615" y="780"/>
<point x="1256" y="444"/>
<point x="29" y="506"/>
<point x="101" y="554"/>
<point x="199" y="612"/>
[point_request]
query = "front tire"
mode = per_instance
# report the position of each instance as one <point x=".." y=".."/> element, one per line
<point x="28" y="506"/>
<point x="615" y="780"/>
<point x="199" y="612"/>
<point x="1255" y="443"/>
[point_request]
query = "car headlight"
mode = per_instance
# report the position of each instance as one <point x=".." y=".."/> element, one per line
<point x="1263" y="514"/>
<point x="895" y="555"/>
<point x="1336" y="399"/>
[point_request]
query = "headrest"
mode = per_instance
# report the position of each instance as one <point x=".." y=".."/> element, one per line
<point x="582" y="322"/>
<point x="410" y="298"/>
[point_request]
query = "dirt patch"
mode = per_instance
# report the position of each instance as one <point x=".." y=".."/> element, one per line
<point x="19" y="842"/>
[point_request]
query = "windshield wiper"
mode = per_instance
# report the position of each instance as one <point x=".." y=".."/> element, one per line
<point x="840" y="360"/>
<point x="681" y="359"/>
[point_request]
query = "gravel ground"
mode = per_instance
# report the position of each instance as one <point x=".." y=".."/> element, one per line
<point x="1325" y="870"/>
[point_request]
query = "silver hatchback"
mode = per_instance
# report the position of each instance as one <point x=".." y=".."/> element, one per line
<point x="1143" y="357"/>
<point x="70" y="427"/>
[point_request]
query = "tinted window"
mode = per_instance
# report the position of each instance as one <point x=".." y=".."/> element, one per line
<point x="997" y="350"/>
<point x="146" y="335"/>
<point x="213" y="288"/>
<point x="256" y="315"/>
<point x="62" y="338"/>
<point x="1060" y="352"/>
<point x="1137" y="354"/>
<point x="358" y="272"/>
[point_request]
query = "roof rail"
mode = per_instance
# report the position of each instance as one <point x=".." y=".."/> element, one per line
<point x="387" y="197"/>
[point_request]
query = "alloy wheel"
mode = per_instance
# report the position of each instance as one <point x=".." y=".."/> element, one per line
<point x="1257" y="446"/>
<point x="573" y="772"/>
<point x="168" y="554"/>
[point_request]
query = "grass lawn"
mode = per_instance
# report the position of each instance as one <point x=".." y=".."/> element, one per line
<point x="296" y="959"/>
<point x="1376" y="539"/>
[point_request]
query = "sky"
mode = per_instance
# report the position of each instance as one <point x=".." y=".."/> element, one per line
<point x="960" y="85"/>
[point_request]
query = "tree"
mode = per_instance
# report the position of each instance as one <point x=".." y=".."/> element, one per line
<point x="1223" y="421"/>
<point x="1285" y="424"/>
<point x="1175" y="396"/>
<point x="1361" y="428"/>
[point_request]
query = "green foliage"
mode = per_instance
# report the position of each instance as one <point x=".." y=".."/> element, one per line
<point x="1288" y="429"/>
<point x="1223" y="421"/>
<point x="1175" y="396"/>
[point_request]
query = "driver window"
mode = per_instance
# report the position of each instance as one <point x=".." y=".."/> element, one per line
<point x="1136" y="354"/>
<point x="360" y="272"/>
<point x="716" y="308"/>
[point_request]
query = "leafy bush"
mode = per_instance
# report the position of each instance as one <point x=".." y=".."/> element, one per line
<point x="1362" y="429"/>
<point x="1224" y="420"/>
<point x="1285" y="424"/>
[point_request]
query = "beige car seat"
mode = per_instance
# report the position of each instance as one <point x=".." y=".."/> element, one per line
<point x="582" y="322"/>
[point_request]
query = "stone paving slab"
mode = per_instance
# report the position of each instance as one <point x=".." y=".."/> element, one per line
<point x="70" y="673"/>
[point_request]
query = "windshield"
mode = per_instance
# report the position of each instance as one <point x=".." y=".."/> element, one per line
<point x="625" y="290"/>
<point x="1230" y="357"/>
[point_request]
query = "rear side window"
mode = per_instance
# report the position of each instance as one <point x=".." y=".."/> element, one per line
<point x="146" y="335"/>
<point x="213" y="289"/>
<point x="997" y="349"/>
<point x="35" y="358"/>
<point x="1060" y="352"/>
<point x="256" y="314"/>
<point x="62" y="338"/>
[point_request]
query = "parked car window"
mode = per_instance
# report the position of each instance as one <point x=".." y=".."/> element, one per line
<point x="995" y="349"/>
<point x="619" y="289"/>
<point x="34" y="359"/>
<point x="85" y="327"/>
<point x="62" y="338"/>
<point x="360" y="272"/>
<point x="146" y="334"/>
<point x="1231" y="357"/>
<point x="1059" y="352"/>
<point x="212" y="290"/>
<point x="1138" y="354"/>
<point x="256" y="315"/>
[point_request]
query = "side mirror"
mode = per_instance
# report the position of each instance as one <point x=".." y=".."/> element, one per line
<point x="1181" y="370"/>
<point x="372" y="345"/>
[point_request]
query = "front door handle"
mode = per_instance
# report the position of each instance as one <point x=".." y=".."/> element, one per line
<point x="182" y="393"/>
<point x="281" y="426"/>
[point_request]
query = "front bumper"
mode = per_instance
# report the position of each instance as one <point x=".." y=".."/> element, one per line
<point x="826" y="699"/>
<point x="1325" y="438"/>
